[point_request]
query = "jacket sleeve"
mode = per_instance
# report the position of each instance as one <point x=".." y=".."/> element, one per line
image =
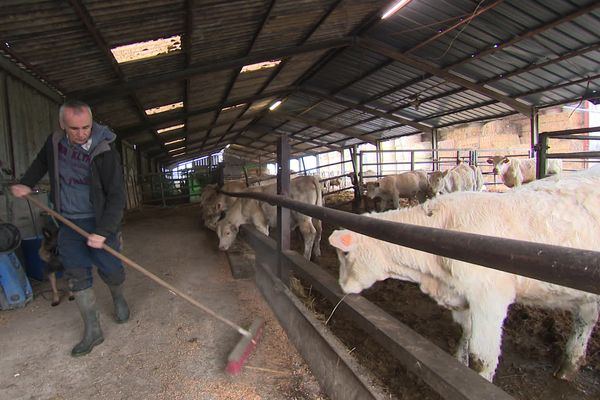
<point x="38" y="168"/>
<point x="113" y="186"/>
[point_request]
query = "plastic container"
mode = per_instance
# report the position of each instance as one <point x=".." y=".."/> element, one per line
<point x="15" y="289"/>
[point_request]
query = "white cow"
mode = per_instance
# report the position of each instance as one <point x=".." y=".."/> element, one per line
<point x="411" y="184"/>
<point x="566" y="213"/>
<point x="214" y="203"/>
<point x="306" y="189"/>
<point x="462" y="177"/>
<point x="517" y="171"/>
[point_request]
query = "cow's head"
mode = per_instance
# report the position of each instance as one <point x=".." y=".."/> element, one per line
<point x="356" y="272"/>
<point x="227" y="233"/>
<point x="436" y="182"/>
<point x="497" y="162"/>
<point x="371" y="188"/>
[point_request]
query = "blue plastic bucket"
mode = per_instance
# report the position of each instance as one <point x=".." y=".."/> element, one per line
<point x="15" y="289"/>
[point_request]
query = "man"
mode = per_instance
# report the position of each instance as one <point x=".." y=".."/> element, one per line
<point x="86" y="186"/>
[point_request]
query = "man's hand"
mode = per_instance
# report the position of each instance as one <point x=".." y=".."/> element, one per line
<point x="95" y="241"/>
<point x="20" y="190"/>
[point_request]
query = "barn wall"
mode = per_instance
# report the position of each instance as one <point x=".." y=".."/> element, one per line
<point x="131" y="175"/>
<point x="514" y="132"/>
<point x="27" y="117"/>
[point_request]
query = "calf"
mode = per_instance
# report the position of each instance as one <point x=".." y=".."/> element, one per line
<point x="215" y="203"/>
<point x="517" y="171"/>
<point x="411" y="184"/>
<point x="462" y="177"/>
<point x="306" y="189"/>
<point x="565" y="214"/>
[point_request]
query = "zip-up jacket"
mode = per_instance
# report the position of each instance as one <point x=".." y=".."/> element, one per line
<point x="107" y="188"/>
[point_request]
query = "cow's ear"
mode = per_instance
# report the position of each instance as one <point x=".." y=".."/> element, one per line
<point x="343" y="240"/>
<point x="505" y="160"/>
<point x="490" y="161"/>
<point x="445" y="173"/>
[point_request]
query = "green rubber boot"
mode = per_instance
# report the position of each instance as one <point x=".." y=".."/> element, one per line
<point x="92" y="334"/>
<point x="121" y="307"/>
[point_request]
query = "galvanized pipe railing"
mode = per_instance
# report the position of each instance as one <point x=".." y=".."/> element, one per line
<point x="565" y="266"/>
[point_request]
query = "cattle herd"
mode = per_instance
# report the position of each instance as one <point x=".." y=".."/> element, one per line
<point x="559" y="210"/>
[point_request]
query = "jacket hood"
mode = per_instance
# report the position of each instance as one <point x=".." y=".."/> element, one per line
<point x="101" y="133"/>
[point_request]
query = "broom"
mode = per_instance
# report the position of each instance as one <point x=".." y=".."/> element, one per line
<point x="238" y="356"/>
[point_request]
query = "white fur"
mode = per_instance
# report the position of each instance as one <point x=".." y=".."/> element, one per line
<point x="410" y="184"/>
<point x="306" y="189"/>
<point x="516" y="171"/>
<point x="558" y="210"/>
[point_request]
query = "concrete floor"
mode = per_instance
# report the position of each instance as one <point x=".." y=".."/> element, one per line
<point x="169" y="349"/>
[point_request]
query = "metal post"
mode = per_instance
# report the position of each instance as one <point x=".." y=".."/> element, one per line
<point x="435" y="164"/>
<point x="539" y="145"/>
<point x="412" y="160"/>
<point x="283" y="214"/>
<point x="356" y="179"/>
<point x="542" y="148"/>
<point x="378" y="154"/>
<point x="162" y="190"/>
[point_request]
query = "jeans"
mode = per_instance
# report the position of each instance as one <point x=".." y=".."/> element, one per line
<point x="78" y="258"/>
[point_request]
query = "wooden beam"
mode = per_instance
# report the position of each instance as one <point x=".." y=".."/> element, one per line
<point x="103" y="92"/>
<point x="389" y="51"/>
<point x="369" y="110"/>
<point x="325" y="126"/>
<point x="129" y="131"/>
<point x="265" y="131"/>
<point x="25" y="76"/>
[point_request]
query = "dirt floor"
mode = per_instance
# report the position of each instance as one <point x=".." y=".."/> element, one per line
<point x="168" y="349"/>
<point x="532" y="344"/>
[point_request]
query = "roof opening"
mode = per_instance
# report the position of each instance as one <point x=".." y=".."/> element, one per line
<point x="177" y="155"/>
<point x="170" y="128"/>
<point x="165" y="108"/>
<point x="174" y="141"/>
<point x="394" y="8"/>
<point x="233" y="107"/>
<point x="260" y="65"/>
<point x="177" y="149"/>
<point x="147" y="49"/>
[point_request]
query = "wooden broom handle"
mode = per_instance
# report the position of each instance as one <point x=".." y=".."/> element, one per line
<point x="139" y="268"/>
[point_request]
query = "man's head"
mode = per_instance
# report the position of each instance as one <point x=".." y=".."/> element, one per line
<point x="75" y="118"/>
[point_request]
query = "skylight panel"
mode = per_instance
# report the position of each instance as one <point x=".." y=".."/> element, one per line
<point x="148" y="49"/>
<point x="174" y="141"/>
<point x="177" y="149"/>
<point x="260" y="65"/>
<point x="165" y="108"/>
<point x="170" y="128"/>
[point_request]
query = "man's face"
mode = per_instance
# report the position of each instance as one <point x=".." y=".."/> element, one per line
<point x="77" y="124"/>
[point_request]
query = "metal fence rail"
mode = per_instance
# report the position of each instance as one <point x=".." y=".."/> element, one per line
<point x="574" y="268"/>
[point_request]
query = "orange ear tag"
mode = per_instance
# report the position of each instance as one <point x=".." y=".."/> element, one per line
<point x="346" y="239"/>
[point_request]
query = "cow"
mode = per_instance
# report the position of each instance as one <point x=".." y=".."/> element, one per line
<point x="306" y="189"/>
<point x="411" y="184"/>
<point x="462" y="177"/>
<point x="517" y="171"/>
<point x="214" y="203"/>
<point x="565" y="214"/>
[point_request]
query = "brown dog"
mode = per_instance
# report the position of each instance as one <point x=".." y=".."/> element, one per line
<point x="49" y="254"/>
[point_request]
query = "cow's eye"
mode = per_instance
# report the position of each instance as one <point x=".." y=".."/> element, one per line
<point x="345" y="253"/>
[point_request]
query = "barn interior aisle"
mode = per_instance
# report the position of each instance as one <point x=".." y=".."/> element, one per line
<point x="168" y="349"/>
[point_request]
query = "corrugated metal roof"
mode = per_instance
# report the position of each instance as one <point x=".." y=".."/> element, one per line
<point x="345" y="75"/>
